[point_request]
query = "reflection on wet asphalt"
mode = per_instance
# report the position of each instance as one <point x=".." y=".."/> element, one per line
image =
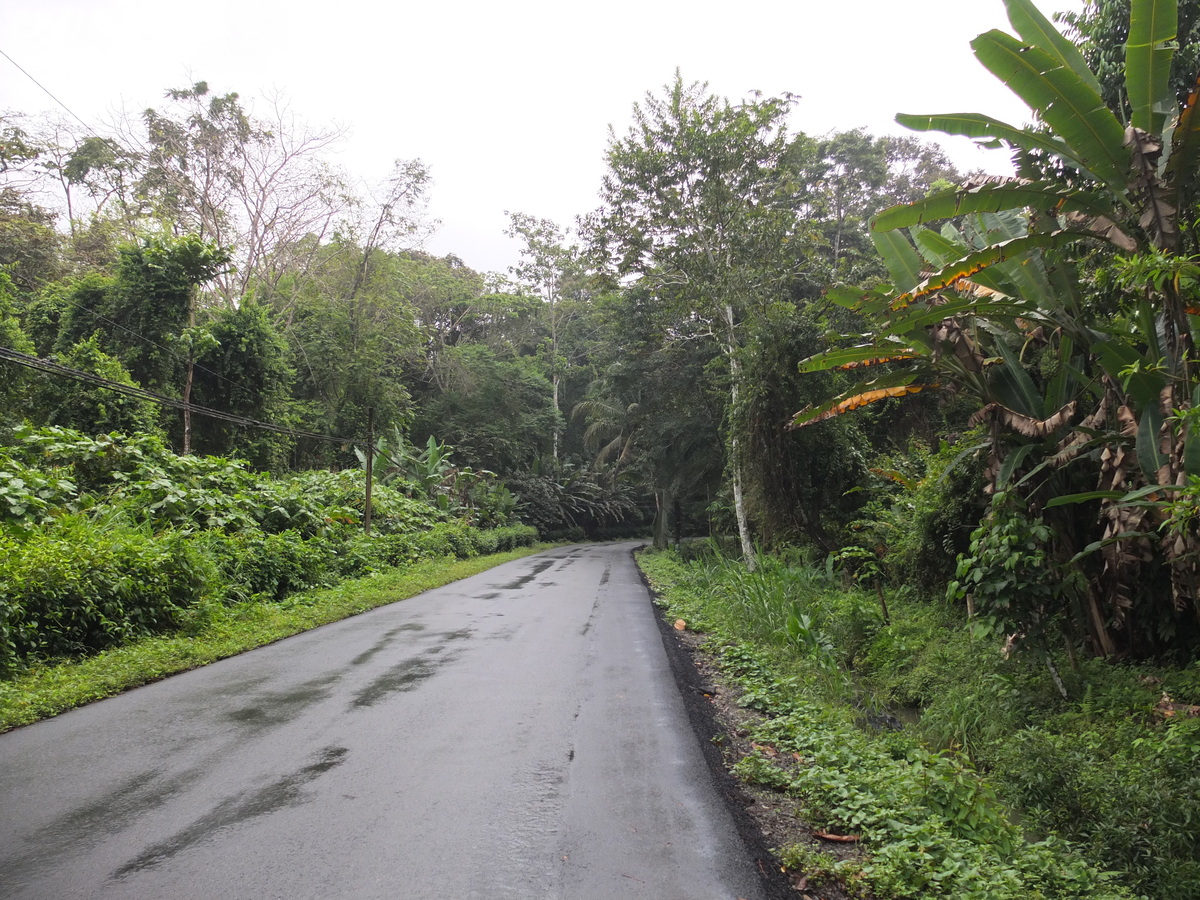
<point x="236" y="811"/>
<point x="514" y="735"/>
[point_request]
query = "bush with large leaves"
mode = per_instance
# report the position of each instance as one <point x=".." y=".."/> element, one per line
<point x="1081" y="403"/>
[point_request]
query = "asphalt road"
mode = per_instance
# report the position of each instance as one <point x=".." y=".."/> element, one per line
<point x="514" y="735"/>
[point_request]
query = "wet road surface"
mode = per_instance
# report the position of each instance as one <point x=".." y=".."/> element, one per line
<point x="517" y="734"/>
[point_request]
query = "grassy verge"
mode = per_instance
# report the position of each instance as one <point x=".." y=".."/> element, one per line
<point x="924" y="819"/>
<point x="216" y="632"/>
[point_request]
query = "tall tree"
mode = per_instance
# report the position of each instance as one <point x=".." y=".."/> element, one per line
<point x="553" y="272"/>
<point x="696" y="206"/>
<point x="256" y="186"/>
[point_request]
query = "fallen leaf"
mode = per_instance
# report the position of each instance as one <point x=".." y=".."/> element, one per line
<point x="844" y="838"/>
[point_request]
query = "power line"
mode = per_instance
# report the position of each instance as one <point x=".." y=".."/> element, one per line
<point x="91" y="131"/>
<point x="51" y="367"/>
<point x="47" y="91"/>
<point x="141" y="337"/>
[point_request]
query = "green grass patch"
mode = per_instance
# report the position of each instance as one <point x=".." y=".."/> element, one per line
<point x="214" y="631"/>
<point x="931" y="823"/>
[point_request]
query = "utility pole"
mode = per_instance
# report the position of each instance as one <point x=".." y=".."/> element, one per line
<point x="370" y="467"/>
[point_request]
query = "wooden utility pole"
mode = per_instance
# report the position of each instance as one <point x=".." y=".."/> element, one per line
<point x="370" y="467"/>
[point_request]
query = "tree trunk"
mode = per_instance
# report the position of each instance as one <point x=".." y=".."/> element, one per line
<point x="661" y="534"/>
<point x="554" y="449"/>
<point x="735" y="461"/>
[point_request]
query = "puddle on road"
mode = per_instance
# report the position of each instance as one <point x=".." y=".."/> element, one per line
<point x="406" y="676"/>
<point x="284" y="793"/>
<point x="86" y="826"/>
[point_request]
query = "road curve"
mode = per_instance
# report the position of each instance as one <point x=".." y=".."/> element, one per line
<point x="517" y="734"/>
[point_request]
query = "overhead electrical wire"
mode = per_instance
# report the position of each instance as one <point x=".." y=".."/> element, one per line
<point x="77" y="305"/>
<point x="48" y="366"/>
<point x="51" y="367"/>
<point x="22" y="70"/>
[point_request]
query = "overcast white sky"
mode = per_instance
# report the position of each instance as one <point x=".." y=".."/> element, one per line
<point x="509" y="103"/>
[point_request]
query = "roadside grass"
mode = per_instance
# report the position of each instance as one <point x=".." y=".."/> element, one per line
<point x="927" y="822"/>
<point x="214" y="631"/>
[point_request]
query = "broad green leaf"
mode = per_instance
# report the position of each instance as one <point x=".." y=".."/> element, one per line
<point x="901" y="259"/>
<point x="1149" y="453"/>
<point x="1152" y="30"/>
<point x="980" y="260"/>
<point x="1042" y="196"/>
<point x="855" y="357"/>
<point x="1057" y="392"/>
<point x="1034" y="28"/>
<point x="938" y="249"/>
<point x="1026" y="277"/>
<point x="1011" y="463"/>
<point x="1123" y="363"/>
<point x="851" y="297"/>
<point x="1072" y="109"/>
<point x="977" y="126"/>
<point x="1013" y="386"/>
<point x="1084" y="497"/>
<point x="942" y="251"/>
<point x="1191" y="442"/>
<point x="1116" y="538"/>
<point x="920" y="316"/>
<point x="888" y="387"/>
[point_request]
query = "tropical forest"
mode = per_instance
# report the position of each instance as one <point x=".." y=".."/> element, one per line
<point x="914" y="451"/>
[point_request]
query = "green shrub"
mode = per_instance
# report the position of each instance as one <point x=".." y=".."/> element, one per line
<point x="80" y="585"/>
<point x="510" y="537"/>
<point x="924" y="522"/>
<point x="29" y="496"/>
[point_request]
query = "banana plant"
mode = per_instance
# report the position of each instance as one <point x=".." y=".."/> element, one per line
<point x="961" y="300"/>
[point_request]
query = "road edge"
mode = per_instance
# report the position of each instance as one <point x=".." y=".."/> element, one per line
<point x="711" y="735"/>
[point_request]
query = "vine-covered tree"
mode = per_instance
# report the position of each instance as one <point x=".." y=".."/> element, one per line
<point x="696" y="209"/>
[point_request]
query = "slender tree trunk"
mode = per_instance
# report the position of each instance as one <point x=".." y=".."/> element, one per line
<point x="739" y="501"/>
<point x="554" y="446"/>
<point x="661" y="537"/>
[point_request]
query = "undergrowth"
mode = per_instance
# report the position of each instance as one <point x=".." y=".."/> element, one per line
<point x="1002" y="789"/>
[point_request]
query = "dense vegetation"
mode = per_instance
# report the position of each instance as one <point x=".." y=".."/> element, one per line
<point x="1000" y="789"/>
<point x="108" y="539"/>
<point x="207" y="332"/>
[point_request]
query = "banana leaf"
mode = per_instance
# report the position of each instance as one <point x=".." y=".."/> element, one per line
<point x="976" y="262"/>
<point x="1185" y="150"/>
<point x="938" y="249"/>
<point x="1013" y="386"/>
<point x="1149" y="452"/>
<point x="993" y="198"/>
<point x="902" y="261"/>
<point x="886" y="388"/>
<point x="1152" y="30"/>
<point x="978" y="126"/>
<point x="1072" y="109"/>
<point x="856" y="357"/>
<point x="1034" y="28"/>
